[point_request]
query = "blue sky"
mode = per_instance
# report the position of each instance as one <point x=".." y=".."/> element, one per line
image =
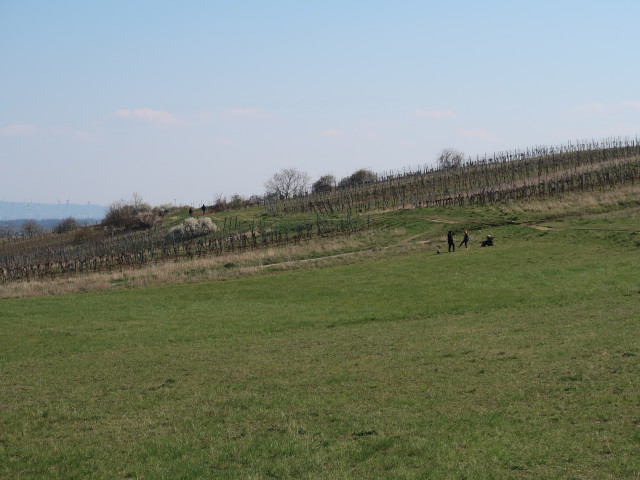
<point x="186" y="101"/>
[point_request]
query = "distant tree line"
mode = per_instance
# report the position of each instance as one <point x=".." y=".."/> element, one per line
<point x="33" y="228"/>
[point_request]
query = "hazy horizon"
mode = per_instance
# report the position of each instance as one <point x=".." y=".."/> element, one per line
<point x="18" y="211"/>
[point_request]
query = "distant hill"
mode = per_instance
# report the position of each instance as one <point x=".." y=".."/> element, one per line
<point x="48" y="224"/>
<point x="43" y="212"/>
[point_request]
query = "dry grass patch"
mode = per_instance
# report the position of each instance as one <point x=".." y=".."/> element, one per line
<point x="580" y="202"/>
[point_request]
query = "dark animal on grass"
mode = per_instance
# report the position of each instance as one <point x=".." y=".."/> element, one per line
<point x="488" y="242"/>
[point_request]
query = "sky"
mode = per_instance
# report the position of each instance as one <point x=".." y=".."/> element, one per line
<point x="185" y="102"/>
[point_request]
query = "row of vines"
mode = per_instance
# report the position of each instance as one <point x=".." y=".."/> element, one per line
<point x="137" y="249"/>
<point x="434" y="193"/>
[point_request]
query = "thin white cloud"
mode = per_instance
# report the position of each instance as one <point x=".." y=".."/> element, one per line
<point x="18" y="130"/>
<point x="332" y="132"/>
<point x="156" y="117"/>
<point x="480" y="134"/>
<point x="633" y="105"/>
<point x="435" y="113"/>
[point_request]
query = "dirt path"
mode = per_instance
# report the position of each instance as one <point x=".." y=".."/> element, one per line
<point x="539" y="227"/>
<point x="450" y="222"/>
<point x="403" y="243"/>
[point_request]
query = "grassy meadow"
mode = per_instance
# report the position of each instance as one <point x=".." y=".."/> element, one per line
<point x="520" y="361"/>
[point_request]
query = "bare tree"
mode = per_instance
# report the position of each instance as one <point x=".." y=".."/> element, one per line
<point x="31" y="228"/>
<point x="287" y="183"/>
<point x="450" y="158"/>
<point x="138" y="204"/>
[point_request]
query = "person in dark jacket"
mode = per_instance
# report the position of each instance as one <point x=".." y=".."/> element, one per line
<point x="465" y="240"/>
<point x="452" y="245"/>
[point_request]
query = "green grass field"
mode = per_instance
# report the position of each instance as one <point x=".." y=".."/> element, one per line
<point x="518" y="361"/>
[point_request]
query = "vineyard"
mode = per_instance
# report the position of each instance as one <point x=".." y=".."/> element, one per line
<point x="510" y="176"/>
<point x="537" y="173"/>
<point x="135" y="249"/>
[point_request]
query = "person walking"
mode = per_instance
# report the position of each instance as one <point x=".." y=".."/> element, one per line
<point x="203" y="208"/>
<point x="452" y="245"/>
<point x="465" y="241"/>
<point x="191" y="211"/>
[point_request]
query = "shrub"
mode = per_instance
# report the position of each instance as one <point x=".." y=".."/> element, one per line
<point x="325" y="183"/>
<point x="236" y="201"/>
<point x="147" y="219"/>
<point x="118" y="215"/>
<point x="67" y="225"/>
<point x="358" y="177"/>
<point x="134" y="215"/>
<point x="164" y="209"/>
<point x="192" y="227"/>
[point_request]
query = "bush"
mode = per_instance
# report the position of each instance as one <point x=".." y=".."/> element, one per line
<point x="118" y="215"/>
<point x="325" y="183"/>
<point x="147" y="219"/>
<point x="67" y="225"/>
<point x="164" y="209"/>
<point x="358" y="177"/>
<point x="236" y="201"/>
<point x="132" y="216"/>
<point x="192" y="227"/>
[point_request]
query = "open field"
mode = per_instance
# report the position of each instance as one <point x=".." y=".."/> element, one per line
<point x="519" y="361"/>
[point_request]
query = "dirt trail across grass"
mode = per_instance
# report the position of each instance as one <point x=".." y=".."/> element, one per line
<point x="407" y="242"/>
